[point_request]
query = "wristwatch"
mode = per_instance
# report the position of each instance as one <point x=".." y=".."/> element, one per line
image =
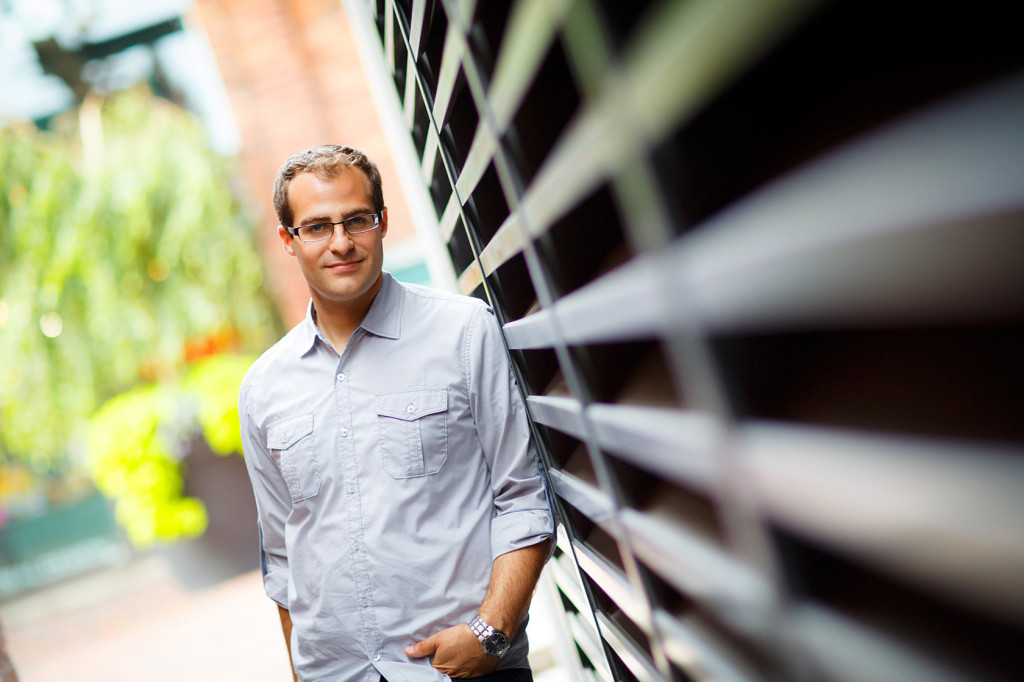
<point x="494" y="642"/>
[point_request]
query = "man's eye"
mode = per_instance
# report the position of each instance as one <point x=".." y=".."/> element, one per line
<point x="318" y="228"/>
<point x="358" y="221"/>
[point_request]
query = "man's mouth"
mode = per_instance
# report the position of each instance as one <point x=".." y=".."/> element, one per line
<point x="344" y="265"/>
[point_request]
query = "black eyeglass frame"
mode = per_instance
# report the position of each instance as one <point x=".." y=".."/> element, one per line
<point x="294" y="230"/>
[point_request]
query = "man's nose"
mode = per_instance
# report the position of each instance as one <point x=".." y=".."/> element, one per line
<point x="340" y="241"/>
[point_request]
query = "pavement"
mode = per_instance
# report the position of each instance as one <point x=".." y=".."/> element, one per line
<point x="139" y="623"/>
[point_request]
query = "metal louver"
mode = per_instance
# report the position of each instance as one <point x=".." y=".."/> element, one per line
<point x="759" y="270"/>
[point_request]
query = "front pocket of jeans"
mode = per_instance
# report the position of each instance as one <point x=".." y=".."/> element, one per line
<point x="292" y="441"/>
<point x="413" y="431"/>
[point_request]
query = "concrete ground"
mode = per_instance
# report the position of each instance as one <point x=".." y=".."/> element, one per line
<point x="138" y="623"/>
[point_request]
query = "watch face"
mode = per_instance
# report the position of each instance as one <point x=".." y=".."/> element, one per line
<point x="496" y="644"/>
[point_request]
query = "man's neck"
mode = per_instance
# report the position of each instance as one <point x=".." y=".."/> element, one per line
<point x="336" y="320"/>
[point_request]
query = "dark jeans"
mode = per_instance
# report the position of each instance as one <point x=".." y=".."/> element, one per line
<point x="509" y="675"/>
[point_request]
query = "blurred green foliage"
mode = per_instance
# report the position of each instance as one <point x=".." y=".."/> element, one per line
<point x="139" y="443"/>
<point x="120" y="244"/>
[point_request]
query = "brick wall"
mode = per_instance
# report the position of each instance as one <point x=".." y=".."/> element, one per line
<point x="294" y="80"/>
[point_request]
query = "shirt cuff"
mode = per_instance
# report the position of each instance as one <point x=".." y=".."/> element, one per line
<point x="276" y="586"/>
<point x="275" y="581"/>
<point x="519" y="529"/>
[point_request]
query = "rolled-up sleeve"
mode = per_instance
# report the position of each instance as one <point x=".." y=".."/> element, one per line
<point x="522" y="514"/>
<point x="273" y="502"/>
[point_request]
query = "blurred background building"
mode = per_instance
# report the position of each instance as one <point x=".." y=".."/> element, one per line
<point x="757" y="266"/>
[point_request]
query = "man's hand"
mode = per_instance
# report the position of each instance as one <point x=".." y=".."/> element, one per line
<point x="457" y="652"/>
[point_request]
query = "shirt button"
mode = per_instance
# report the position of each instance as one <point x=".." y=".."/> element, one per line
<point x="344" y="433"/>
<point x="376" y="657"/>
<point x="341" y="377"/>
<point x="355" y="546"/>
<point x="351" y="489"/>
<point x="410" y="409"/>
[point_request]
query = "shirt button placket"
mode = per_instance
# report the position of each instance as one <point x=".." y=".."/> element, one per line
<point x="353" y="513"/>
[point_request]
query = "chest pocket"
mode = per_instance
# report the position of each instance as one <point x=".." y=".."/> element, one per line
<point x="413" y="431"/>
<point x="292" y="444"/>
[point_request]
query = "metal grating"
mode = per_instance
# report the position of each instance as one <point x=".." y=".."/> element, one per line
<point x="758" y="266"/>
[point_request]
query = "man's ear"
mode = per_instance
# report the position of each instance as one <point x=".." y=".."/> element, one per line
<point x="383" y="221"/>
<point x="286" y="240"/>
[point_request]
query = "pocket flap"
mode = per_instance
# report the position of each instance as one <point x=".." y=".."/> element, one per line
<point x="410" y="405"/>
<point x="286" y="432"/>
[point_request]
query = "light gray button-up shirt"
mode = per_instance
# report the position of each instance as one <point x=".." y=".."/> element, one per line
<point x="388" y="479"/>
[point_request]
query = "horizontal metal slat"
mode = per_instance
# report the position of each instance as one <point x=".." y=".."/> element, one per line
<point x="531" y="28"/>
<point x="460" y="13"/>
<point x="538" y="330"/>
<point x="632" y="291"/>
<point x="470" y="278"/>
<point x="416" y="26"/>
<point x="562" y="540"/>
<point x="508" y="241"/>
<point x="629" y="653"/>
<point x="942" y="513"/>
<point x="884" y="229"/>
<point x="450" y="217"/>
<point x="590" y="501"/>
<point x="853" y="652"/>
<point x="451" y="60"/>
<point x="613" y="583"/>
<point x="566" y="580"/>
<point x="692" y="651"/>
<point x="677" y="445"/>
<point x="389" y="36"/>
<point x="564" y="414"/>
<point x="411" y="91"/>
<point x="589" y="54"/>
<point x="431" y="149"/>
<point x="589" y="642"/>
<point x="739" y="595"/>
<point x="834" y="243"/>
<point x="481" y="152"/>
<point x="677" y="60"/>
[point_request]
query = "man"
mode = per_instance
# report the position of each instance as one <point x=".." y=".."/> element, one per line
<point x="403" y="517"/>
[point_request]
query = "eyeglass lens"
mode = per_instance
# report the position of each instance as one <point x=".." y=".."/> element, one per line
<point x="354" y="225"/>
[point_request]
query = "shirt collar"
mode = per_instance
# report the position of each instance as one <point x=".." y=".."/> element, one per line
<point x="384" y="318"/>
<point x="307" y="331"/>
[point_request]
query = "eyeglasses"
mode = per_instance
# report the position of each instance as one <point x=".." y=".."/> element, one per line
<point x="317" y="232"/>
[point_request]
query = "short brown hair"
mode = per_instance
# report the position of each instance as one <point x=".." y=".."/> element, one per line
<point x="324" y="161"/>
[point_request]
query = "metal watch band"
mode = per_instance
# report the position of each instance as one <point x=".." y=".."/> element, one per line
<point x="493" y="641"/>
<point x="481" y="629"/>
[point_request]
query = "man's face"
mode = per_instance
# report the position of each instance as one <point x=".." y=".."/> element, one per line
<point x="346" y="268"/>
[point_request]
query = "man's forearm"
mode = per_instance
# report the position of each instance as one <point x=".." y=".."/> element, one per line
<point x="286" y="628"/>
<point x="514" y="576"/>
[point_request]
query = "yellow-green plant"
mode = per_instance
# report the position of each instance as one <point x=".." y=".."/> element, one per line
<point x="133" y="461"/>
<point x="139" y="443"/>
<point x="213" y="385"/>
